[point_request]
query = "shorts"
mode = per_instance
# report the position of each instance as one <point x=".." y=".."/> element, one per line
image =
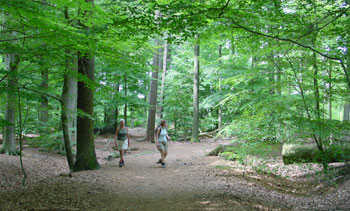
<point x="122" y="144"/>
<point x="163" y="145"/>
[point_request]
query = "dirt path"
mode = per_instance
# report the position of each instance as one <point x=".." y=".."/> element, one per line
<point x="191" y="181"/>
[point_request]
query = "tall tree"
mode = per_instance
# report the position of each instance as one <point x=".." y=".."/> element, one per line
<point x="12" y="60"/>
<point x="346" y="114"/>
<point x="9" y="142"/>
<point x="126" y="97"/>
<point x="44" y="101"/>
<point x="86" y="155"/>
<point x="116" y="110"/>
<point x="69" y="103"/>
<point x="220" y="108"/>
<point x="162" y="90"/>
<point x="68" y="113"/>
<point x="153" y="95"/>
<point x="195" y="125"/>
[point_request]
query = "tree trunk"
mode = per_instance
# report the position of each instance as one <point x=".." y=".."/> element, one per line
<point x="195" y="126"/>
<point x="9" y="142"/>
<point x="68" y="113"/>
<point x="153" y="96"/>
<point x="69" y="104"/>
<point x="162" y="90"/>
<point x="318" y="139"/>
<point x="220" y="109"/>
<point x="86" y="155"/>
<point x="116" y="110"/>
<point x="132" y="117"/>
<point x="125" y="104"/>
<point x="279" y="79"/>
<point x="160" y="67"/>
<point x="44" y="102"/>
<point x="346" y="116"/>
<point x="330" y="92"/>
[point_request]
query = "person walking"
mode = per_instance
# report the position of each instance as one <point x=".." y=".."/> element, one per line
<point x="122" y="141"/>
<point x="162" y="138"/>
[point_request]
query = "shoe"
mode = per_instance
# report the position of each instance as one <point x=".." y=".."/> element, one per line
<point x="159" y="161"/>
<point x="123" y="163"/>
<point x="120" y="163"/>
<point x="163" y="165"/>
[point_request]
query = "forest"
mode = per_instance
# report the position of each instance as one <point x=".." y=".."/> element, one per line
<point x="255" y="94"/>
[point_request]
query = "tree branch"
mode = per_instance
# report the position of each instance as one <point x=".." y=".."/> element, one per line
<point x="3" y="78"/>
<point x="47" y="4"/>
<point x="42" y="93"/>
<point x="284" y="39"/>
<point x="222" y="9"/>
<point x="24" y="37"/>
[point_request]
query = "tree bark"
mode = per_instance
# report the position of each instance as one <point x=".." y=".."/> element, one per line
<point x="330" y="92"/>
<point x="12" y="60"/>
<point x="9" y="142"/>
<point x="195" y="126"/>
<point x="86" y="155"/>
<point x="68" y="113"/>
<point x="318" y="139"/>
<point x="132" y="117"/>
<point x="116" y="110"/>
<point x="69" y="103"/>
<point x="160" y="67"/>
<point x="220" y="109"/>
<point x="346" y="116"/>
<point x="279" y="79"/>
<point x="44" y="101"/>
<point x="162" y="90"/>
<point x="153" y="96"/>
<point x="125" y="104"/>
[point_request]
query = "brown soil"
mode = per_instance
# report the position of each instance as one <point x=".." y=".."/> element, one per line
<point x="191" y="181"/>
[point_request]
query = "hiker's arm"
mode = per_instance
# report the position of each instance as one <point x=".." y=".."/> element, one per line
<point x="167" y="136"/>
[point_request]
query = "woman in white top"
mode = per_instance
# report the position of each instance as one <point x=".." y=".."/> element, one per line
<point x="162" y="138"/>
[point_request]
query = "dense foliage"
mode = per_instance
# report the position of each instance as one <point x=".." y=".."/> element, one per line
<point x="273" y="70"/>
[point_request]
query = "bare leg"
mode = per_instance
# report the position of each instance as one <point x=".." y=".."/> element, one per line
<point x="121" y="155"/>
<point x="162" y="157"/>
<point x="165" y="154"/>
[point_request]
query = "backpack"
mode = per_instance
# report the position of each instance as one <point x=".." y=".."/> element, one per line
<point x="155" y="131"/>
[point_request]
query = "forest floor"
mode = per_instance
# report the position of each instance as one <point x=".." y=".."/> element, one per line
<point x="191" y="181"/>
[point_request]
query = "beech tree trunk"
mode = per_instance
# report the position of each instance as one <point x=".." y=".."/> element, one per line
<point x="160" y="67"/>
<point x="116" y="112"/>
<point x="9" y="142"/>
<point x="68" y="114"/>
<point x="162" y="90"/>
<point x="11" y="65"/>
<point x="346" y="116"/>
<point x="69" y="104"/>
<point x="132" y="117"/>
<point x="195" y="126"/>
<point x="153" y="96"/>
<point x="220" y="109"/>
<point x="86" y="155"/>
<point x="317" y="139"/>
<point x="125" y="104"/>
<point x="44" y="101"/>
<point x="330" y="92"/>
